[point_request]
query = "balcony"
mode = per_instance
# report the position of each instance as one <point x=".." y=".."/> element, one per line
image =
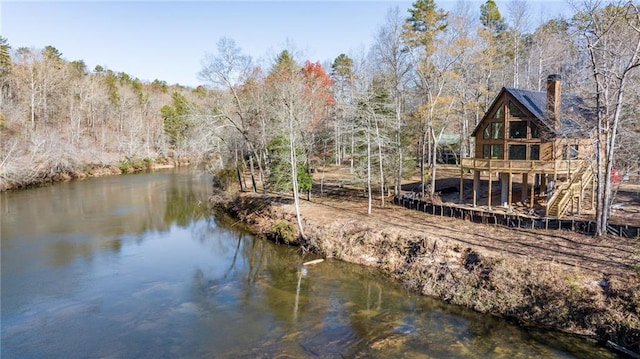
<point x="521" y="166"/>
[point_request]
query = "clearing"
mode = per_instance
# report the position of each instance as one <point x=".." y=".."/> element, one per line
<point x="343" y="197"/>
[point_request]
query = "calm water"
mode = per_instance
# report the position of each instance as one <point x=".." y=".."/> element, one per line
<point x="134" y="267"/>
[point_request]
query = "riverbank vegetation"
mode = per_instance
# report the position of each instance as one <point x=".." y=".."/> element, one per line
<point x="60" y="120"/>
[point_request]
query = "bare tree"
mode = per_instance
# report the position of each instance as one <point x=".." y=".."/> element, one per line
<point x="393" y="65"/>
<point x="611" y="39"/>
<point x="518" y="17"/>
<point x="229" y="69"/>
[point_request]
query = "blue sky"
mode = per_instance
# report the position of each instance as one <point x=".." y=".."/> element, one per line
<point x="167" y="40"/>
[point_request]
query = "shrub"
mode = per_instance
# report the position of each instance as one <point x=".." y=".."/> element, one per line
<point x="224" y="178"/>
<point x="282" y="231"/>
<point x="133" y="165"/>
<point x="125" y="166"/>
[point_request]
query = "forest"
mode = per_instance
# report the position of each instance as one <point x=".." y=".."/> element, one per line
<point x="386" y="112"/>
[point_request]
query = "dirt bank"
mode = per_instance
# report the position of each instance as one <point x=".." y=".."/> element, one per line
<point x="560" y="280"/>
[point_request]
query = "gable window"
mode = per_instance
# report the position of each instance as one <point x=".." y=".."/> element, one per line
<point x="535" y="153"/>
<point x="494" y="130"/>
<point x="515" y="111"/>
<point x="518" y="129"/>
<point x="492" y="151"/>
<point x="535" y="131"/>
<point x="570" y="152"/>
<point x="517" y="152"/>
<point x="499" y="113"/>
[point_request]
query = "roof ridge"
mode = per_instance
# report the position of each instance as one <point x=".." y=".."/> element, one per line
<point x="521" y="89"/>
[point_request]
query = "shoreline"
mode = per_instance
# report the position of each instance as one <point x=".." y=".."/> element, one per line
<point x="532" y="291"/>
<point x="90" y="170"/>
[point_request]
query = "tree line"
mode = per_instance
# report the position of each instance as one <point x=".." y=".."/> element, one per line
<point x="382" y="111"/>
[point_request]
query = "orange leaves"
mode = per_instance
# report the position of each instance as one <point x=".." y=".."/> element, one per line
<point x="317" y="82"/>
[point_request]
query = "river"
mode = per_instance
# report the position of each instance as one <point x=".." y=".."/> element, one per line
<point x="136" y="267"/>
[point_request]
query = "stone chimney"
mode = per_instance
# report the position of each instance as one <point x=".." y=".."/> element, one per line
<point x="553" y="100"/>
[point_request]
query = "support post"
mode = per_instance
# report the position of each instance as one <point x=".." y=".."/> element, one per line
<point x="504" y="188"/>
<point x="593" y="192"/>
<point x="476" y="184"/>
<point x="461" y="182"/>
<point x="510" y="190"/>
<point x="490" y="185"/>
<point x="533" y="192"/>
<point x="523" y="191"/>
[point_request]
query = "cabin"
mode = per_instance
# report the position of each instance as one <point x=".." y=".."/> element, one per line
<point x="545" y="138"/>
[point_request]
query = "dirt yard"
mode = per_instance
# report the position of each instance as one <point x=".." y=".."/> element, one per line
<point x="343" y="198"/>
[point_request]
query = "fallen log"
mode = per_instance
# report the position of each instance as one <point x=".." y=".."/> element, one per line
<point x="315" y="261"/>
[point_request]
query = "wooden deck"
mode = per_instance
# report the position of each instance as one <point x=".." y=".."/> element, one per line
<point x="521" y="166"/>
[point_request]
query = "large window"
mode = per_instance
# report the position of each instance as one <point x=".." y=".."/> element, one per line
<point x="515" y="111"/>
<point x="492" y="151"/>
<point x="535" y="132"/>
<point x="517" y="152"/>
<point x="518" y="129"/>
<point x="494" y="130"/>
<point x="499" y="113"/>
<point x="535" y="153"/>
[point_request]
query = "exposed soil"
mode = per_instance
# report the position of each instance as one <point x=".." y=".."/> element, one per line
<point x="558" y="279"/>
<point x="606" y="255"/>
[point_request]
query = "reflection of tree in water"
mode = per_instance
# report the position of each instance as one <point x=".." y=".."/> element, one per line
<point x="279" y="284"/>
<point x="244" y="269"/>
<point x="341" y="308"/>
<point x="183" y="205"/>
<point x="374" y="314"/>
<point x="344" y="310"/>
<point x="63" y="252"/>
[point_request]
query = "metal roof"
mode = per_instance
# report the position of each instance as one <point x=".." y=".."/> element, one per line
<point x="576" y="120"/>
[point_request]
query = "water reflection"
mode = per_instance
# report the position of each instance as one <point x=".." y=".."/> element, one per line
<point x="133" y="266"/>
<point x="180" y="208"/>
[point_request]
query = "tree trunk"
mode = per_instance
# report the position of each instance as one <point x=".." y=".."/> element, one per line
<point x="336" y="138"/>
<point x="238" y="171"/>
<point x="294" y="172"/>
<point x="423" y="144"/>
<point x="253" y="176"/>
<point x="368" y="172"/>
<point x="353" y="147"/>
<point x="434" y="154"/>
<point x="243" y="166"/>
<point x="398" y="181"/>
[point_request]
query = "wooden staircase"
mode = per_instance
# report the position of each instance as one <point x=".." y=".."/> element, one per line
<point x="564" y="195"/>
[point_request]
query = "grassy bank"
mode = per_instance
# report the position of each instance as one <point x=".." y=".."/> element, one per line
<point x="40" y="175"/>
<point x="559" y="293"/>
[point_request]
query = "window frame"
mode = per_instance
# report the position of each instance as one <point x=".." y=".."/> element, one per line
<point x="522" y="152"/>
<point x="494" y="132"/>
<point x="523" y="129"/>
<point x="493" y="151"/>
<point x="534" y="133"/>
<point x="515" y="111"/>
<point x="531" y="152"/>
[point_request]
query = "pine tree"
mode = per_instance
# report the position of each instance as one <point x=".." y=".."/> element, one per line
<point x="424" y="24"/>
<point x="491" y="18"/>
<point x="5" y="58"/>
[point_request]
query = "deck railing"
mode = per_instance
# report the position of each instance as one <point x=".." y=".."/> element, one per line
<point x="562" y="196"/>
<point x="521" y="166"/>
